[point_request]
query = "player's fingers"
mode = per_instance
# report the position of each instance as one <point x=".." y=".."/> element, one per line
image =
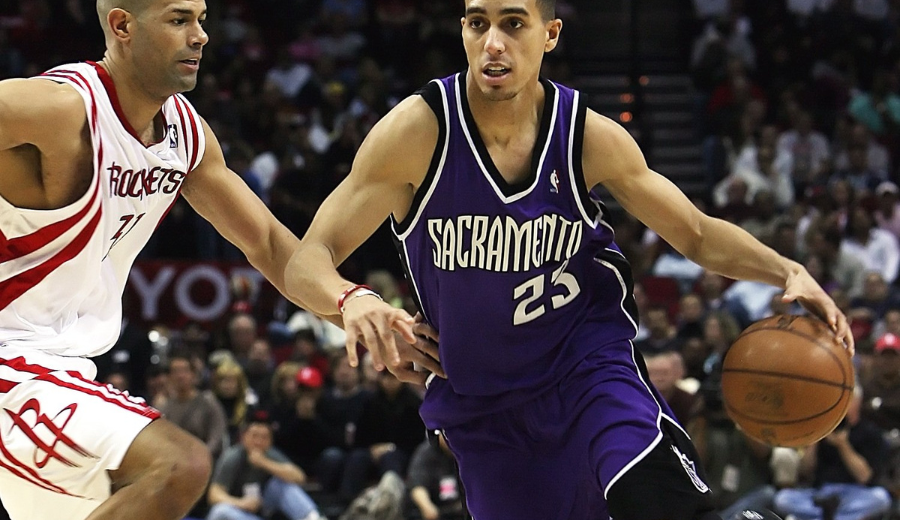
<point x="426" y="330"/>
<point x="404" y="324"/>
<point x="432" y="364"/>
<point x="352" y="340"/>
<point x="370" y="340"/>
<point x="408" y="374"/>
<point x="391" y="352"/>
<point x="427" y="347"/>
<point x="844" y="333"/>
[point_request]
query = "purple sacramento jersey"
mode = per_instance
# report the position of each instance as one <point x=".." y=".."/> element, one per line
<point x="522" y="281"/>
<point x="545" y="405"/>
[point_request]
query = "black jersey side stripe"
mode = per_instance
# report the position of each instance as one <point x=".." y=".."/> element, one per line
<point x="436" y="96"/>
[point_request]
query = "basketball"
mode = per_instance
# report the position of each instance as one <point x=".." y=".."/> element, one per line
<point x="787" y="381"/>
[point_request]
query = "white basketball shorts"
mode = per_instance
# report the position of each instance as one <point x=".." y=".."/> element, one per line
<point x="60" y="432"/>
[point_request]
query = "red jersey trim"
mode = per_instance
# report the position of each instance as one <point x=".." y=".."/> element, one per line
<point x="110" y="87"/>
<point x="195" y="130"/>
<point x="34" y="478"/>
<point x="18" y="285"/>
<point x="101" y="392"/>
<point x="11" y="249"/>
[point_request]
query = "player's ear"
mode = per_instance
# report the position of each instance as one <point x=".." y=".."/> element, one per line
<point x="554" y="27"/>
<point x="118" y="23"/>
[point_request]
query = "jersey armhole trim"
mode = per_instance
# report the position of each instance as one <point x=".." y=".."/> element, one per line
<point x="435" y="95"/>
<point x="589" y="210"/>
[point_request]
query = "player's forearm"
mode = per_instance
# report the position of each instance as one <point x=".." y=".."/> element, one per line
<point x="311" y="279"/>
<point x="730" y="251"/>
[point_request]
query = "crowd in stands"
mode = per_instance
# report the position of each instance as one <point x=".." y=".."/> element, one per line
<point x="798" y="113"/>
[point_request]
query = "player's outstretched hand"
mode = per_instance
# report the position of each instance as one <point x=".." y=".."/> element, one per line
<point x="370" y="321"/>
<point x="803" y="288"/>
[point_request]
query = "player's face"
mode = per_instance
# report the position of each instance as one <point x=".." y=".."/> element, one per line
<point x="168" y="44"/>
<point x="505" y="42"/>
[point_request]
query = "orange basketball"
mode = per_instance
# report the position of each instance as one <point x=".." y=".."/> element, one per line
<point x="787" y="381"/>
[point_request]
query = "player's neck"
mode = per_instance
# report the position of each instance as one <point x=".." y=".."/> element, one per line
<point x="502" y="120"/>
<point x="138" y="106"/>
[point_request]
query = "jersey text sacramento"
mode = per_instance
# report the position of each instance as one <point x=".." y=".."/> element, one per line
<point x="500" y="244"/>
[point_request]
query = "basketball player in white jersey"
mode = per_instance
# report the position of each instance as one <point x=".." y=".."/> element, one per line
<point x="92" y="156"/>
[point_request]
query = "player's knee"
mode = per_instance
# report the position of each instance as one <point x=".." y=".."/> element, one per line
<point x="188" y="471"/>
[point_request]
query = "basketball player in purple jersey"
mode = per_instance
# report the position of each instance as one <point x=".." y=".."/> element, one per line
<point x="487" y="176"/>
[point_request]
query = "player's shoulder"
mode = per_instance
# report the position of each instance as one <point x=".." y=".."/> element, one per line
<point x="411" y="123"/>
<point x="609" y="149"/>
<point x="40" y="93"/>
<point x="38" y="111"/>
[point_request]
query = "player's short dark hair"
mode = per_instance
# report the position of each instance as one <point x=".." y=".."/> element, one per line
<point x="548" y="9"/>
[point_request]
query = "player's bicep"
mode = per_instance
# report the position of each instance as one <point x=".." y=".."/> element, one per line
<point x="353" y="211"/>
<point x="389" y="167"/>
<point x="613" y="158"/>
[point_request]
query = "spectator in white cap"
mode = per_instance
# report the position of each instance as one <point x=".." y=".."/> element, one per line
<point x="887" y="213"/>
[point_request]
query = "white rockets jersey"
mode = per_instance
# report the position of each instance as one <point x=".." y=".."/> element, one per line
<point x="63" y="271"/>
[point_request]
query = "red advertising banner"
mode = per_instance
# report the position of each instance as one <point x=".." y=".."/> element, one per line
<point x="173" y="293"/>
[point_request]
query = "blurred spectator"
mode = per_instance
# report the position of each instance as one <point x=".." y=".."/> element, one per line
<point x="388" y="433"/>
<point x="306" y="439"/>
<point x="877" y="157"/>
<point x="738" y="470"/>
<point x="712" y="290"/>
<point x="876" y="248"/>
<point x="840" y="266"/>
<point x="876" y="299"/>
<point x="878" y="110"/>
<point x="663" y="335"/>
<point x="665" y="370"/>
<point x="882" y="388"/>
<point x="841" y="468"/>
<point x="289" y="76"/>
<point x="765" y="217"/>
<point x="253" y="479"/>
<point x="808" y="149"/>
<point x="858" y="173"/>
<point x="241" y="335"/>
<point x="197" y="412"/>
<point x="690" y="316"/>
<point x="342" y="403"/>
<point x="887" y="212"/>
<point x="284" y="392"/>
<point x="435" y="491"/>
<point x="229" y="384"/>
<point x="260" y="366"/>
<point x="765" y="172"/>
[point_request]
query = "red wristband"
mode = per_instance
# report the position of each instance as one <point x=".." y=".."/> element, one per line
<point x="343" y="298"/>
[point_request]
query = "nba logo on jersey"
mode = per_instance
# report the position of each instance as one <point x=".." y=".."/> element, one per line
<point x="173" y="136"/>
<point x="554" y="182"/>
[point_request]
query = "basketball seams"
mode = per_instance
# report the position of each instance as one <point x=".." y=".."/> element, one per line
<point x="787" y="375"/>
<point x="791" y="421"/>
<point x="757" y="361"/>
<point x="804" y="335"/>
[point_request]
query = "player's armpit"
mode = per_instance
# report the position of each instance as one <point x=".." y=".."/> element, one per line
<point x="39" y="112"/>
